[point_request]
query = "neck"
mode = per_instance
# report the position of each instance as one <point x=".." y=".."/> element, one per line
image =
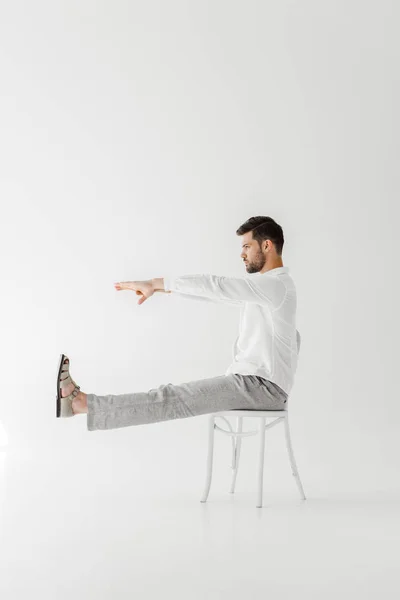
<point x="272" y="265"/>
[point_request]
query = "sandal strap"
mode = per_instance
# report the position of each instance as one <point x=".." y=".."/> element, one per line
<point x="65" y="377"/>
<point x="67" y="381"/>
<point x="72" y="395"/>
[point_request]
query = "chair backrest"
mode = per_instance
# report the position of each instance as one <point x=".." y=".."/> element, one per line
<point x="298" y="341"/>
<point x="298" y="338"/>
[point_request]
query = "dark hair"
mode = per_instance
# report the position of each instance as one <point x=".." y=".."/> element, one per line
<point x="264" y="228"/>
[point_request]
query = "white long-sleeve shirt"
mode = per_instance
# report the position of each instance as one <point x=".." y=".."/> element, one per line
<point x="267" y="341"/>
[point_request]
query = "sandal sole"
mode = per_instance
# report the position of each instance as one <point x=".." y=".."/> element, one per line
<point x="58" y="397"/>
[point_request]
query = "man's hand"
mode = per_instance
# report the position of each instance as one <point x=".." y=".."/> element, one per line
<point x="145" y="289"/>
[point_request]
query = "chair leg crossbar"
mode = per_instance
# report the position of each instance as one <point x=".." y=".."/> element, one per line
<point x="237" y="436"/>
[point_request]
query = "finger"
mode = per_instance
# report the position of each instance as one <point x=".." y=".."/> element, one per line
<point x="121" y="286"/>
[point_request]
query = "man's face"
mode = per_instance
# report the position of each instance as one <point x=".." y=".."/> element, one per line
<point x="252" y="254"/>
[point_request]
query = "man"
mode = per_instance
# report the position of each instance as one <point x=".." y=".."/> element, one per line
<point x="265" y="352"/>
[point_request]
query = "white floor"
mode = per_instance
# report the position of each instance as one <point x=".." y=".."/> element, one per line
<point x="86" y="527"/>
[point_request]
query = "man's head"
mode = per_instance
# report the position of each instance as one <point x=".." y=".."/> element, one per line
<point x="262" y="243"/>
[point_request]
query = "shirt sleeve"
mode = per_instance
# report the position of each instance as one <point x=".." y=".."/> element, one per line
<point x="191" y="296"/>
<point x="267" y="290"/>
<point x="204" y="299"/>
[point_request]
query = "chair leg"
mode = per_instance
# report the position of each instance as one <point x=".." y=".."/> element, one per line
<point x="292" y="460"/>
<point x="238" y="445"/>
<point x="261" y="462"/>
<point x="211" y="423"/>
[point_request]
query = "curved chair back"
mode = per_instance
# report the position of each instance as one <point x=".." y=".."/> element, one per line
<point x="298" y="341"/>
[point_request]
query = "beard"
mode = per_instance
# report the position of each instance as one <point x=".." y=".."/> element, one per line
<point x="256" y="265"/>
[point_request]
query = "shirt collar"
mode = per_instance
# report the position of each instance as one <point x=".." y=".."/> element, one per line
<point x="278" y="270"/>
<point x="275" y="271"/>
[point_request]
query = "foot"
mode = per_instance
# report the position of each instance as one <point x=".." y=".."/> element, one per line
<point x="79" y="403"/>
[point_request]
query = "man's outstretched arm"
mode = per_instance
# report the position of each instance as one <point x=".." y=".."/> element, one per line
<point x="159" y="286"/>
<point x="267" y="290"/>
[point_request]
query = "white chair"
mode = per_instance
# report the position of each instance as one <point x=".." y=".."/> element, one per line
<point x="279" y="416"/>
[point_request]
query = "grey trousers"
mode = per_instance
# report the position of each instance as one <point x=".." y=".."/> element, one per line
<point x="171" y="401"/>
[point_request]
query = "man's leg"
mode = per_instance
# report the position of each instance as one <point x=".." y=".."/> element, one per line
<point x="169" y="401"/>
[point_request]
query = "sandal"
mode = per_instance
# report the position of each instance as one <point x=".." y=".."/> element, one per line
<point x="64" y="405"/>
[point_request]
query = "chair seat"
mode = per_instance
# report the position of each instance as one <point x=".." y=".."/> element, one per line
<point x="251" y="413"/>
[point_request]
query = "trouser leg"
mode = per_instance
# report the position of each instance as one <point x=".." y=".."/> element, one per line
<point x="177" y="401"/>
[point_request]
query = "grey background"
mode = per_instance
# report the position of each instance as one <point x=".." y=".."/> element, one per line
<point x="135" y="138"/>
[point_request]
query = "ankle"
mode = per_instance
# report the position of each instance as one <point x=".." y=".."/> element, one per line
<point x="79" y="403"/>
